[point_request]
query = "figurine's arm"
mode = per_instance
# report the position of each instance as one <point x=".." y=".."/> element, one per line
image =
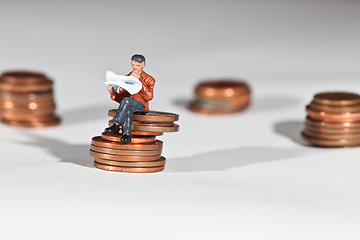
<point x="147" y="91"/>
<point x="115" y="96"/>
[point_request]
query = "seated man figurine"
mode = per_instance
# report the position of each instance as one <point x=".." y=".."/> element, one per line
<point x="129" y="104"/>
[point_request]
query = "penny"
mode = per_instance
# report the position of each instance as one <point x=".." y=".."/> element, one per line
<point x="25" y="112"/>
<point x="199" y="109"/>
<point x="134" y="139"/>
<point x="128" y="169"/>
<point x="47" y="86"/>
<point x="27" y="97"/>
<point x="158" y="124"/>
<point x="151" y="116"/>
<point x="32" y="106"/>
<point x="23" y="77"/>
<point x="337" y="98"/>
<point x="335" y="109"/>
<point x="319" y="123"/>
<point x="31" y="124"/>
<point x="331" y="117"/>
<point x="310" y="133"/>
<point x="154" y="128"/>
<point x="100" y="142"/>
<point x="125" y="152"/>
<point x="241" y="99"/>
<point x="126" y="158"/>
<point x="331" y="143"/>
<point x="157" y="163"/>
<point x="221" y="88"/>
<point x="343" y="130"/>
<point x="219" y="105"/>
<point x="141" y="133"/>
<point x="34" y="118"/>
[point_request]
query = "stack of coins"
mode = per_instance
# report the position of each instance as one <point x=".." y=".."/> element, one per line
<point x="27" y="100"/>
<point x="333" y="120"/>
<point x="143" y="153"/>
<point x="221" y="97"/>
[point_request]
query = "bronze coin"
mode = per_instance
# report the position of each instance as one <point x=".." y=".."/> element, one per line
<point x="9" y="113"/>
<point x="100" y="142"/>
<point x="128" y="169"/>
<point x="32" y="106"/>
<point x="200" y="109"/>
<point x="319" y="123"/>
<point x="138" y="133"/>
<point x="219" y="105"/>
<point x="125" y="152"/>
<point x="158" y="163"/>
<point x="332" y="117"/>
<point x="30" y="118"/>
<point x="241" y="99"/>
<point x="23" y="77"/>
<point x="335" y="136"/>
<point x="337" y="98"/>
<point x="134" y="139"/>
<point x="158" y="124"/>
<point x="335" y="109"/>
<point x="31" y="124"/>
<point x="155" y="128"/>
<point x="40" y="97"/>
<point x="151" y="116"/>
<point x="47" y="86"/>
<point x="125" y="158"/>
<point x="327" y="130"/>
<point x="221" y="88"/>
<point x="331" y="143"/>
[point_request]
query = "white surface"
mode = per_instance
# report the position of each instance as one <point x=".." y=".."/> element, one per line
<point x="243" y="176"/>
<point x="129" y="83"/>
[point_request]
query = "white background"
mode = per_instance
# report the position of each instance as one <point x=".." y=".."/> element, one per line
<point x="241" y="176"/>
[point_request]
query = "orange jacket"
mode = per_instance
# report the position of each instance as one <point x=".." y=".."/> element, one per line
<point x="145" y="94"/>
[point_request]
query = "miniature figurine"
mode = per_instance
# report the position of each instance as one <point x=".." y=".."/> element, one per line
<point x="131" y="101"/>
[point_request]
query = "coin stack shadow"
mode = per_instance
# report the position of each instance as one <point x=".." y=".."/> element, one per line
<point x="333" y="120"/>
<point x="27" y="100"/>
<point x="143" y="153"/>
<point x="221" y="97"/>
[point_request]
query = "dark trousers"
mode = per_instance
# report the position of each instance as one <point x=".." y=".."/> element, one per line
<point x="124" y="114"/>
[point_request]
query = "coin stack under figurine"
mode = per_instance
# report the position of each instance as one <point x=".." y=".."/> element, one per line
<point x="333" y="120"/>
<point x="27" y="100"/>
<point x="143" y="153"/>
<point x="221" y="97"/>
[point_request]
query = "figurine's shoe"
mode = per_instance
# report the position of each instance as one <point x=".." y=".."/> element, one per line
<point x="126" y="138"/>
<point x="113" y="129"/>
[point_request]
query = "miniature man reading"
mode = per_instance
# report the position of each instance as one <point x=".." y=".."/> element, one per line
<point x="135" y="90"/>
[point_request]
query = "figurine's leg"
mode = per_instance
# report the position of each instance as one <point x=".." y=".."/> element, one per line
<point x="136" y="106"/>
<point x="123" y="111"/>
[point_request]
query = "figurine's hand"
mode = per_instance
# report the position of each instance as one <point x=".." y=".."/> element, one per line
<point x="135" y="75"/>
<point x="110" y="89"/>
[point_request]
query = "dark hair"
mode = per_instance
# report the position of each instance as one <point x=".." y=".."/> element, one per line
<point x="138" y="58"/>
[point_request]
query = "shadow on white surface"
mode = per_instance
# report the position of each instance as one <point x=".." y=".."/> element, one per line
<point x="66" y="152"/>
<point x="232" y="158"/>
<point x="256" y="104"/>
<point x="291" y="129"/>
<point x="84" y="114"/>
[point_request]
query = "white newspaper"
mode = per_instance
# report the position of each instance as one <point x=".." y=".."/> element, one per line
<point x="129" y="83"/>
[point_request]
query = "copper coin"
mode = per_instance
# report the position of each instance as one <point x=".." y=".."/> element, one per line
<point x="23" y="77"/>
<point x="25" y="112"/>
<point x="331" y="143"/>
<point x="157" y="163"/>
<point x="337" y="98"/>
<point x="100" y="142"/>
<point x="314" y="134"/>
<point x="125" y="152"/>
<point x="158" y="124"/>
<point x="30" y="118"/>
<point x="327" y="130"/>
<point x="47" y="86"/>
<point x="151" y="116"/>
<point x="39" y="97"/>
<point x="220" y="105"/>
<point x="31" y="124"/>
<point x="31" y="106"/>
<point x="237" y="99"/>
<point x="200" y="109"/>
<point x="332" y="117"/>
<point x="155" y="128"/>
<point x="126" y="158"/>
<point x="335" y="109"/>
<point x="139" y="132"/>
<point x="128" y="169"/>
<point x="134" y="139"/>
<point x="221" y="88"/>
<point x="319" y="123"/>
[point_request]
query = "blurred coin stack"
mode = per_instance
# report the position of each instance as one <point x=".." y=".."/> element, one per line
<point x="221" y="97"/>
<point x="27" y="100"/>
<point x="333" y="120"/>
<point x="143" y="153"/>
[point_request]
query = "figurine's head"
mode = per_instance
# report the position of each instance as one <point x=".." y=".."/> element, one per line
<point x="138" y="62"/>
